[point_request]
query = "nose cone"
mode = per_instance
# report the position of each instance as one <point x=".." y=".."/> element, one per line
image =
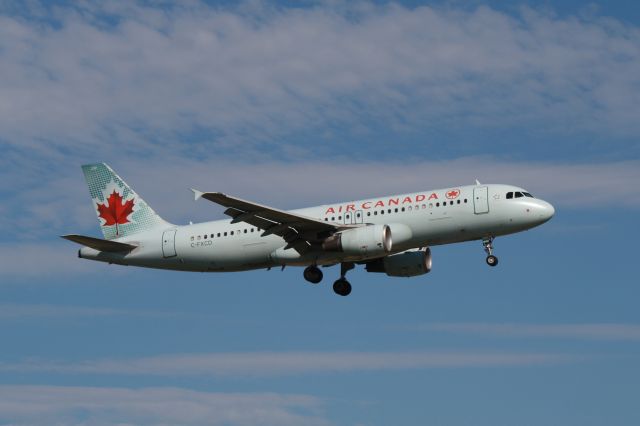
<point x="545" y="211"/>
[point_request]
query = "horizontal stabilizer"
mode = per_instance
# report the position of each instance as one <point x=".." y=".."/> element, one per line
<point x="99" y="244"/>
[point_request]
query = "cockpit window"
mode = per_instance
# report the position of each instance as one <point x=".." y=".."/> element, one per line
<point x="518" y="194"/>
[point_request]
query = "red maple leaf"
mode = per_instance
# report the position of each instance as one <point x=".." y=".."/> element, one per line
<point x="114" y="211"/>
<point x="453" y="194"/>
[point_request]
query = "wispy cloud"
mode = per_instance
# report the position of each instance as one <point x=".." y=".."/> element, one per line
<point x="18" y="312"/>
<point x="598" y="331"/>
<point x="117" y="75"/>
<point x="37" y="260"/>
<point x="47" y="405"/>
<point x="62" y="205"/>
<point x="287" y="363"/>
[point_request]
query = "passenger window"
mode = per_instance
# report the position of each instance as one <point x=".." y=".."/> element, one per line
<point x="199" y="237"/>
<point x="437" y="204"/>
<point x="403" y="209"/>
<point x="339" y="217"/>
<point x="358" y="215"/>
<point x="205" y="236"/>
<point x="375" y="213"/>
<point x="368" y="213"/>
<point x="218" y="235"/>
<point x="458" y="201"/>
<point x="465" y="200"/>
<point x="245" y="231"/>
<point x="333" y="219"/>
<point x="225" y="234"/>
<point x="381" y="211"/>
<point x="231" y="232"/>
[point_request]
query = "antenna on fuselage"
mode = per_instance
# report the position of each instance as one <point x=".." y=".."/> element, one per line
<point x="478" y="182"/>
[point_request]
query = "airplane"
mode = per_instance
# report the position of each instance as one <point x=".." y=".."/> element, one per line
<point x="391" y="234"/>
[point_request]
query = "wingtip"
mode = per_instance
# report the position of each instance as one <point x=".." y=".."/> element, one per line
<point x="196" y="194"/>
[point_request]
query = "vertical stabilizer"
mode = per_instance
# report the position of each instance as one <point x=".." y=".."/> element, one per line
<point x="120" y="210"/>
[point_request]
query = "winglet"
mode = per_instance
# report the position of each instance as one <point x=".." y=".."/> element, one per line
<point x="196" y="194"/>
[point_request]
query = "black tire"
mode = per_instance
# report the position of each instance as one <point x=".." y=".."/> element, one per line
<point x="492" y="260"/>
<point x="342" y="287"/>
<point x="313" y="274"/>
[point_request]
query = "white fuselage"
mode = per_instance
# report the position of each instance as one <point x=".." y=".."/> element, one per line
<point x="416" y="220"/>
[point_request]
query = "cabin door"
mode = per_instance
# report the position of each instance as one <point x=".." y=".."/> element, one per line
<point x="169" y="243"/>
<point x="481" y="200"/>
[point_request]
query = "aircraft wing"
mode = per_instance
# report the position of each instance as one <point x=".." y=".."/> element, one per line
<point x="300" y="232"/>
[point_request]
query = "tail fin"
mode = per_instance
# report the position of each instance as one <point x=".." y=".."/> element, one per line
<point x="120" y="210"/>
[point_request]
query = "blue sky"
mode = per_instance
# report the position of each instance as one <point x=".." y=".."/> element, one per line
<point x="293" y="104"/>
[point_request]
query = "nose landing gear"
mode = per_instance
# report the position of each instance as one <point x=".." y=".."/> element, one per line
<point x="342" y="286"/>
<point x="488" y="248"/>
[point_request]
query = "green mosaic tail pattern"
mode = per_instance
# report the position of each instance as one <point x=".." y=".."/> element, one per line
<point x="120" y="210"/>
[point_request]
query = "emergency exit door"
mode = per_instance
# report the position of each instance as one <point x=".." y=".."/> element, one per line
<point x="353" y="217"/>
<point x="481" y="200"/>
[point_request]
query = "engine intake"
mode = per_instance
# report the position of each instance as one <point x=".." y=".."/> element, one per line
<point x="405" y="264"/>
<point x="367" y="240"/>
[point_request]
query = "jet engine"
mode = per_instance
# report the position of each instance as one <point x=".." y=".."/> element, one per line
<point x="367" y="240"/>
<point x="406" y="264"/>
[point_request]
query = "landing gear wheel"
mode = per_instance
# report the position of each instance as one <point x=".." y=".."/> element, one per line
<point x="313" y="274"/>
<point x="342" y="287"/>
<point x="492" y="260"/>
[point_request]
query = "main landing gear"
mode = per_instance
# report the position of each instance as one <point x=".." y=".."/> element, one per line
<point x="342" y="286"/>
<point x="488" y="248"/>
<point x="313" y="274"/>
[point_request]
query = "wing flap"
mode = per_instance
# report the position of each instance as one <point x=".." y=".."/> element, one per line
<point x="100" y="244"/>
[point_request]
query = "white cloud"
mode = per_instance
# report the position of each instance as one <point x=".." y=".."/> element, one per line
<point x="255" y="72"/>
<point x="62" y="205"/>
<point x="286" y="363"/>
<point x="598" y="331"/>
<point x="47" y="405"/>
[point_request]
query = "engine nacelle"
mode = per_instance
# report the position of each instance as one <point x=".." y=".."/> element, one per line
<point x="405" y="264"/>
<point x="368" y="240"/>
